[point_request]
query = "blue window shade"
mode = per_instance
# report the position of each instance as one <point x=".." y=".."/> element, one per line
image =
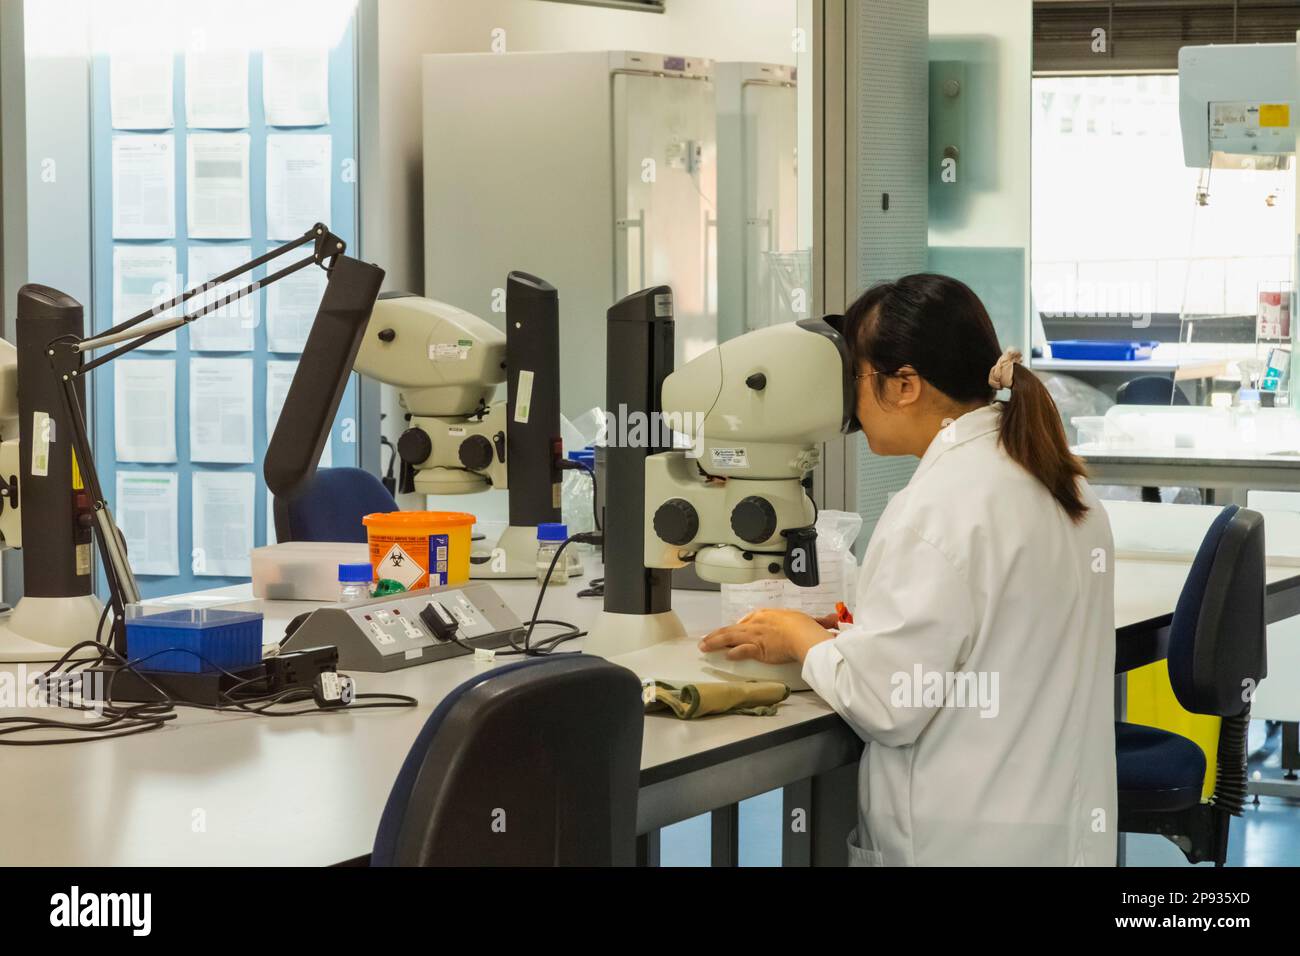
<point x="343" y="222"/>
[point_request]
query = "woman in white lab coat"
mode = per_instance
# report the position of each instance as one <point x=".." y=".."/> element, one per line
<point x="979" y="667"/>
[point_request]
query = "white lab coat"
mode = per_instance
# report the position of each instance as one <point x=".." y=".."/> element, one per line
<point x="974" y="569"/>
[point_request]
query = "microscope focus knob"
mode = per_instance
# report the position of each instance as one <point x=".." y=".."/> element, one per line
<point x="415" y="446"/>
<point x="476" y="452"/>
<point x="676" y="522"/>
<point x="753" y="519"/>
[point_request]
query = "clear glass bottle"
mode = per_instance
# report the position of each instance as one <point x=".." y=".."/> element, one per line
<point x="355" y="582"/>
<point x="549" y="538"/>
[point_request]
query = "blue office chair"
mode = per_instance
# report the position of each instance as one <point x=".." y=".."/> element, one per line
<point x="536" y="763"/>
<point x="1216" y="658"/>
<point x="1150" y="390"/>
<point x="331" y="506"/>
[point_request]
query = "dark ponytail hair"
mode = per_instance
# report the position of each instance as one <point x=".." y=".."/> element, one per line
<point x="939" y="327"/>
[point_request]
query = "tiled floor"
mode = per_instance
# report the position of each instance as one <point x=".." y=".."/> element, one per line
<point x="1267" y="834"/>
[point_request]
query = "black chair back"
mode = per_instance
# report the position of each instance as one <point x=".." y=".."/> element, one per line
<point x="1217" y="649"/>
<point x="536" y="763"/>
<point x="1150" y="390"/>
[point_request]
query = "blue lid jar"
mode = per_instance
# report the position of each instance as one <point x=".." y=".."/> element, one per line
<point x="551" y="531"/>
<point x="359" y="573"/>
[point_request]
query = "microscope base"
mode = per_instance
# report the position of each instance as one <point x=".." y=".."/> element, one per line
<point x="513" y="557"/>
<point x="614" y="634"/>
<point x="43" y="628"/>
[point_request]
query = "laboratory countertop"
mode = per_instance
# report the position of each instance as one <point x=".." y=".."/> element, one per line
<point x="1186" y="360"/>
<point x="1187" y="468"/>
<point x="1189" y="457"/>
<point x="234" y="789"/>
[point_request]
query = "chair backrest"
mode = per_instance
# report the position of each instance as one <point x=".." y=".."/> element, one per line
<point x="536" y="763"/>
<point x="330" y="507"/>
<point x="1149" y="390"/>
<point x="1217" y="637"/>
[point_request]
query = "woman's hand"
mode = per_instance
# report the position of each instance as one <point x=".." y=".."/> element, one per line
<point x="770" y="635"/>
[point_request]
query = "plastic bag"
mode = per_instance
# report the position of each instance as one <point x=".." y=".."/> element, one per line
<point x="583" y="430"/>
<point x="836" y="565"/>
<point x="1074" y="397"/>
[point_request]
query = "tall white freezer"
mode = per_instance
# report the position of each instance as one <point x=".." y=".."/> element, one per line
<point x="759" y="262"/>
<point x="594" y="171"/>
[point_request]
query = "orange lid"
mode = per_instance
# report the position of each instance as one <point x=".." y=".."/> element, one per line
<point x="419" y="518"/>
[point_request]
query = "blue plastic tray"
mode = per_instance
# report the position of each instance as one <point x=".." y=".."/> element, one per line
<point x="174" y="640"/>
<point x="1101" y="350"/>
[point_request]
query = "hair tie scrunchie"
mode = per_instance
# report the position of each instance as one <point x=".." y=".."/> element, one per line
<point x="1003" y="372"/>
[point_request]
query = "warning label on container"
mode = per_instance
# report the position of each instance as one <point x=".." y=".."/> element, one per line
<point x="399" y="566"/>
<point x="437" y="560"/>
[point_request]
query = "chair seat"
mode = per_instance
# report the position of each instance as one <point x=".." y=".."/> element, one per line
<point x="1156" y="769"/>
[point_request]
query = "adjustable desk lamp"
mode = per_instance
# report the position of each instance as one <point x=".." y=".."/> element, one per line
<point x="309" y="408"/>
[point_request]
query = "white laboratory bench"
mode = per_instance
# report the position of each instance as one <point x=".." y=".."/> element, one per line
<point x="234" y="789"/>
<point x="1184" y="361"/>
<point x="1181" y="468"/>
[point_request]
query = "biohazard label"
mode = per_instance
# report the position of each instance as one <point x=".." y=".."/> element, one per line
<point x="399" y="566"/>
<point x="729" y="458"/>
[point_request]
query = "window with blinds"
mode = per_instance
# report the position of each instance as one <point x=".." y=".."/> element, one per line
<point x="1126" y="36"/>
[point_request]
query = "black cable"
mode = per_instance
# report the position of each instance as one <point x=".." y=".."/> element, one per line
<point x="126" y="719"/>
<point x="302" y="693"/>
<point x="140" y="726"/>
<point x="547" y="646"/>
<point x="116" y="722"/>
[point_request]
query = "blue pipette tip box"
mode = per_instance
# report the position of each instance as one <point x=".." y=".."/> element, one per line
<point x="194" y="640"/>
